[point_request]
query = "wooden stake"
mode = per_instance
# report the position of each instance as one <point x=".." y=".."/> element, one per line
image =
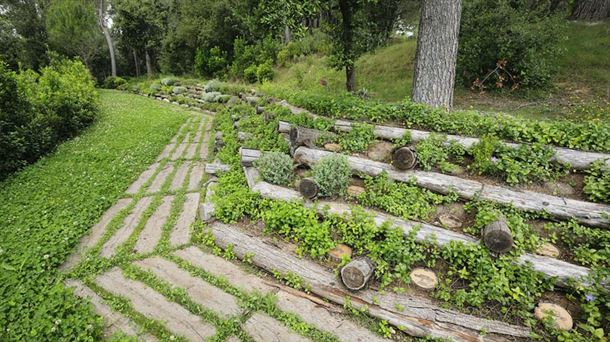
<point x="357" y="273"/>
<point x="498" y="237"/>
<point x="308" y="188"/>
<point x="404" y="158"/>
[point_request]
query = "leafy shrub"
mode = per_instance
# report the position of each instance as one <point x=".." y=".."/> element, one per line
<point x="213" y="85"/>
<point x="275" y="167"/>
<point x="155" y="88"/>
<point x="169" y="81"/>
<point x="332" y="174"/>
<point x="264" y="72"/>
<point x="597" y="182"/>
<point x="435" y="151"/>
<point x="114" y="82"/>
<point x="248" y="55"/>
<point x="251" y="74"/>
<point x="524" y="164"/>
<point x="358" y="139"/>
<point x="211" y="96"/>
<point x="511" y="38"/>
<point x="38" y="111"/>
<point x="212" y="62"/>
<point x="178" y="90"/>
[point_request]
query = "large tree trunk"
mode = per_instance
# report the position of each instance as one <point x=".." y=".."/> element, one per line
<point x="348" y="37"/>
<point x="591" y="10"/>
<point x="149" y="68"/>
<point x="101" y="13"/>
<point x="136" y="62"/>
<point x="437" y="47"/>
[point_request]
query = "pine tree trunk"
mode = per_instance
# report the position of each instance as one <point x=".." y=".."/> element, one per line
<point x="348" y="37"/>
<point x="591" y="10"/>
<point x="101" y="14"/>
<point x="437" y="47"/>
<point x="149" y="69"/>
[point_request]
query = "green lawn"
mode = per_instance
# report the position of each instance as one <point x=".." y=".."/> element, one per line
<point x="48" y="206"/>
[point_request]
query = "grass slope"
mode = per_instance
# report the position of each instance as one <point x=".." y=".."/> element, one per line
<point x="386" y="73"/>
<point x="48" y="206"/>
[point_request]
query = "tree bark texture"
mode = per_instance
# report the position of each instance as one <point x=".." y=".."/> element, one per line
<point x="346" y="7"/>
<point x="101" y="14"/>
<point x="591" y="10"/>
<point x="437" y="47"/>
<point x="149" y="68"/>
<point x="136" y="62"/>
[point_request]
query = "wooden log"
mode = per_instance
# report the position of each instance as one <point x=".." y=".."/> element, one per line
<point x="562" y="271"/>
<point x="577" y="159"/>
<point x="284" y="127"/>
<point x="403" y="158"/>
<point x="248" y="156"/>
<point x="417" y="316"/>
<point x="497" y="236"/>
<point x="356" y="274"/>
<point x="301" y="136"/>
<point x="588" y="213"/>
<point x="308" y="188"/>
<point x="260" y="109"/>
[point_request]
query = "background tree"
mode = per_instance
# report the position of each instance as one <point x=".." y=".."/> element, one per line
<point x="101" y="20"/>
<point x="591" y="10"/>
<point x="73" y="30"/>
<point x="437" y="48"/>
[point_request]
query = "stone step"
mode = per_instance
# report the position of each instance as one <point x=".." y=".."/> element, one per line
<point x="187" y="138"/>
<point x="95" y="234"/>
<point x="220" y="267"/>
<point x="114" y="322"/>
<point x="129" y="224"/>
<point x="180" y="176"/>
<point x="263" y="328"/>
<point x="182" y="128"/>
<point x="157" y="184"/>
<point x="196" y="176"/>
<point x="153" y="229"/>
<point x="179" y="151"/>
<point x="144" y="177"/>
<point x="198" y="290"/>
<point x="203" y="152"/>
<point x="181" y="234"/>
<point x="166" y="151"/>
<point x="191" y="150"/>
<point x="155" y="306"/>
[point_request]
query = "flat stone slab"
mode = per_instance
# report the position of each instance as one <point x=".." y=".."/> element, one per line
<point x="180" y="176"/>
<point x="263" y="328"/>
<point x="191" y="150"/>
<point x="200" y="291"/>
<point x="157" y="184"/>
<point x="129" y="224"/>
<point x="179" y="151"/>
<point x="114" y="322"/>
<point x="318" y="316"/>
<point x="151" y="234"/>
<point x="181" y="233"/>
<point x="144" y="177"/>
<point x="203" y="152"/>
<point x="187" y="138"/>
<point x="196" y="176"/>
<point x="182" y="128"/>
<point x="153" y="305"/>
<point x="220" y="267"/>
<point x="95" y="234"/>
<point x="167" y="150"/>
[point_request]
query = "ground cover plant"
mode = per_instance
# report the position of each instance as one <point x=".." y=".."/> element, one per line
<point x="41" y="226"/>
<point x="471" y="278"/>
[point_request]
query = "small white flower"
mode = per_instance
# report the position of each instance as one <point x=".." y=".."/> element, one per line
<point x="46" y="256"/>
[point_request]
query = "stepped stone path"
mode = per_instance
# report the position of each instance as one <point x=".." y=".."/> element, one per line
<point x="157" y="285"/>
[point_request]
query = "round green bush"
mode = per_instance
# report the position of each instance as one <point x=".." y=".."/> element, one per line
<point x="265" y="72"/>
<point x="155" y="87"/>
<point x="275" y="167"/>
<point x="179" y="90"/>
<point x="250" y="74"/>
<point x="114" y="82"/>
<point x="213" y="85"/>
<point x="169" y="81"/>
<point x="211" y="96"/>
<point x="332" y="175"/>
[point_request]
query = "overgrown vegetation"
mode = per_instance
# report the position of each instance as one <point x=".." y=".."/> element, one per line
<point x="332" y="174"/>
<point x="49" y="205"/>
<point x="275" y="167"/>
<point x="597" y="182"/>
<point x="40" y="110"/>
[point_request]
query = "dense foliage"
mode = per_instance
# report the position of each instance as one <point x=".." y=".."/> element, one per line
<point x="46" y="208"/>
<point x="597" y="182"/>
<point x="332" y="174"/>
<point x="594" y="135"/>
<point x="507" y="44"/>
<point x="38" y="111"/>
<point x="275" y="167"/>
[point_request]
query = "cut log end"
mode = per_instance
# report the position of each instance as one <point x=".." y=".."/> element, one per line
<point x="404" y="158"/>
<point x="356" y="274"/>
<point x="308" y="188"/>
<point x="498" y="237"/>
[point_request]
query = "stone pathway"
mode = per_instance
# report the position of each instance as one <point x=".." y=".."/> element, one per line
<point x="156" y="285"/>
